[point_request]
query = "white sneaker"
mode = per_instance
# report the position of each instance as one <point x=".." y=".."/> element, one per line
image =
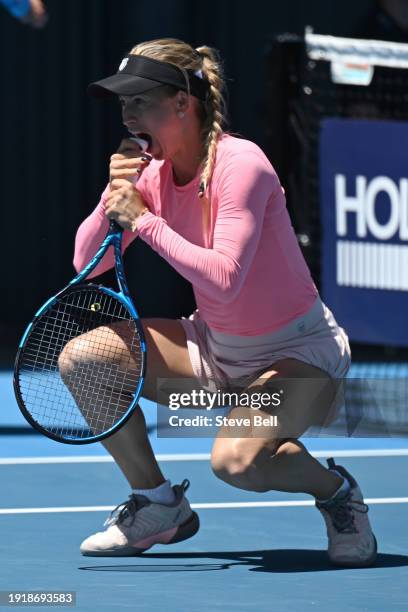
<point x="351" y="540"/>
<point x="136" y="525"/>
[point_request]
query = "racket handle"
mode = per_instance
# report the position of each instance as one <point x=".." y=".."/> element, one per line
<point x="114" y="227"/>
<point x="143" y="145"/>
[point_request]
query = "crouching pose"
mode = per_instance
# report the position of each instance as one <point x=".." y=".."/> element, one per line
<point x="211" y="205"/>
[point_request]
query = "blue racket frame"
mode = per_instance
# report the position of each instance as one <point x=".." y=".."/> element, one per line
<point x="114" y="239"/>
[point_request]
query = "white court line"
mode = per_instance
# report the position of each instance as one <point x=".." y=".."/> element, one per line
<point x="380" y="452"/>
<point x="97" y="459"/>
<point x="206" y="506"/>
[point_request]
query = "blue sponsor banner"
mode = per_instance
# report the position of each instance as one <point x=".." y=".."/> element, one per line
<point x="364" y="212"/>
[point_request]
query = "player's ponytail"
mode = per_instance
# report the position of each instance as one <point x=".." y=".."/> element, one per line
<point x="215" y="111"/>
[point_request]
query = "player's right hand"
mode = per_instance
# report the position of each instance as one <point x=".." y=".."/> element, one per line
<point x="128" y="163"/>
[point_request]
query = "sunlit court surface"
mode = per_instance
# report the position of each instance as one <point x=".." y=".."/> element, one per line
<point x="250" y="547"/>
<point x="299" y="190"/>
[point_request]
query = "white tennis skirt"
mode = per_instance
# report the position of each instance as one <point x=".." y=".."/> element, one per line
<point x="219" y="359"/>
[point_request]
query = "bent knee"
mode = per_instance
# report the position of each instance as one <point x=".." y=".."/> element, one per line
<point x="76" y="352"/>
<point x="68" y="358"/>
<point x="239" y="463"/>
<point x="95" y="349"/>
<point x="106" y="341"/>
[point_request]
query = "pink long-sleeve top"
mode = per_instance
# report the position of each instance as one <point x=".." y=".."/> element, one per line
<point x="242" y="257"/>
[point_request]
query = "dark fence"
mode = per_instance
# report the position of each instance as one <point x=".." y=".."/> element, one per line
<point x="55" y="143"/>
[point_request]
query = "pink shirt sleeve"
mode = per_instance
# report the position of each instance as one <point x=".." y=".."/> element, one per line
<point x="243" y="191"/>
<point x="89" y="237"/>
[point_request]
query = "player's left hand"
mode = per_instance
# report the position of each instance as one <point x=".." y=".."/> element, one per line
<point x="124" y="204"/>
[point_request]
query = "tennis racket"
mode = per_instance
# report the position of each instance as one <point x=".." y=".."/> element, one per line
<point x="71" y="379"/>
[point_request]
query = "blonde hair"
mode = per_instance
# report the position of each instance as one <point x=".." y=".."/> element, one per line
<point x="212" y="111"/>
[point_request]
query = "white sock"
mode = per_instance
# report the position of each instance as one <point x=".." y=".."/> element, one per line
<point x="163" y="494"/>
<point x="343" y="488"/>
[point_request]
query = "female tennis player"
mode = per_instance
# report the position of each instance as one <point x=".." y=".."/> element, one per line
<point x="211" y="205"/>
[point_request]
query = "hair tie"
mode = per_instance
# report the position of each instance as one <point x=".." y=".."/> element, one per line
<point x="201" y="190"/>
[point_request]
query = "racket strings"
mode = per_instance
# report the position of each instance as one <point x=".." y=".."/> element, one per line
<point x="81" y="364"/>
<point x="98" y="402"/>
<point x="99" y="390"/>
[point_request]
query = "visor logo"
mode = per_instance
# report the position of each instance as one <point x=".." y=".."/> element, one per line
<point x="123" y="63"/>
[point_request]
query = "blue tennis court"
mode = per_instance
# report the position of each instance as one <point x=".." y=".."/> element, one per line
<point x="253" y="551"/>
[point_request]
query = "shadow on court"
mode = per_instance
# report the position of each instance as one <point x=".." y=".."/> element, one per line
<point x="277" y="561"/>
